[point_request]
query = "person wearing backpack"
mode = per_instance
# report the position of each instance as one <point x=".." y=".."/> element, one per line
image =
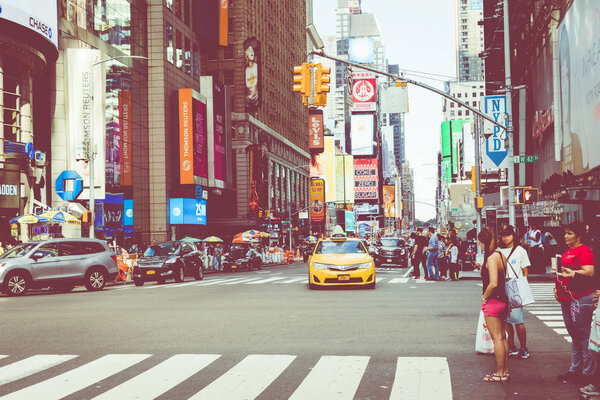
<point x="518" y="265"/>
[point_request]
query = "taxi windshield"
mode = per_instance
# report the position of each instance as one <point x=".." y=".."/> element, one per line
<point x="340" y="247"/>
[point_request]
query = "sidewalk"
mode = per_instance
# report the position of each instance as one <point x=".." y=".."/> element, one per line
<point x="476" y="275"/>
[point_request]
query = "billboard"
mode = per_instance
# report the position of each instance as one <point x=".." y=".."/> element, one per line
<point x="389" y="201"/>
<point x="187" y="211"/>
<point x="366" y="179"/>
<point x="362" y="127"/>
<point x="85" y="117"/>
<point x="223" y="22"/>
<point x="38" y="16"/>
<point x="193" y="160"/>
<point x="126" y="158"/>
<point x="364" y="95"/>
<point x="317" y="200"/>
<point x="315" y="129"/>
<point x="10" y="189"/>
<point x="361" y="50"/>
<point x="578" y="38"/>
<point x="220" y="159"/>
<point x="253" y="73"/>
<point x="350" y="221"/>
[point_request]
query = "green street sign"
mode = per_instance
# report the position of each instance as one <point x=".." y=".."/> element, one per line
<point x="527" y="159"/>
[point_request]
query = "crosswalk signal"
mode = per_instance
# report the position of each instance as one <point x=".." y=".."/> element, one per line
<point x="302" y="81"/>
<point x="322" y="78"/>
<point x="527" y="196"/>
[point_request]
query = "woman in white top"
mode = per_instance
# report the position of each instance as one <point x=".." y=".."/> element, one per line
<point x="452" y="252"/>
<point x="517" y="266"/>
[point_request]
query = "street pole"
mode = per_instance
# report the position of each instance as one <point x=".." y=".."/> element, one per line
<point x="478" y="124"/>
<point x="509" y="124"/>
<point x="288" y="174"/>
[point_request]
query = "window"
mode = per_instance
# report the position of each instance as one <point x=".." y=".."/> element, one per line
<point x="196" y="61"/>
<point x="11" y="109"/>
<point x="474" y="104"/>
<point x="459" y="95"/>
<point x="48" y="250"/>
<point x="459" y="113"/>
<point x="186" y="12"/>
<point x="188" y="57"/>
<point x="467" y="112"/>
<point x="72" y="248"/>
<point x="170" y="43"/>
<point x="451" y="104"/>
<point x="178" y="49"/>
<point x="169" y="4"/>
<point x="452" y="113"/>
<point x="474" y="94"/>
<point x="481" y="93"/>
<point x="228" y="52"/>
<point x="228" y="78"/>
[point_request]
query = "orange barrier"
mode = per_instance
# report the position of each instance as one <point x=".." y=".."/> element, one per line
<point x="125" y="267"/>
<point x="289" y="257"/>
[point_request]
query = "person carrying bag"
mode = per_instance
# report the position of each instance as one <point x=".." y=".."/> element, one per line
<point x="517" y="289"/>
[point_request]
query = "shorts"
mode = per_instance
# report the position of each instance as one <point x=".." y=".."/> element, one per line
<point x="494" y="308"/>
<point x="516" y="316"/>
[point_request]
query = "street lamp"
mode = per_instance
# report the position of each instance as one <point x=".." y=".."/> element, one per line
<point x="90" y="152"/>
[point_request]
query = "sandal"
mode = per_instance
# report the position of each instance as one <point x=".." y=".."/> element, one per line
<point x="496" y="378"/>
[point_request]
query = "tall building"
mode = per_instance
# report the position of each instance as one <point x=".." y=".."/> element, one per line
<point x="408" y="194"/>
<point x="469" y="40"/>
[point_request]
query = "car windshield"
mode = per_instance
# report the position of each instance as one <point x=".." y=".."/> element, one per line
<point x="390" y="242"/>
<point x="340" y="247"/>
<point x="161" y="250"/>
<point x="19" y="251"/>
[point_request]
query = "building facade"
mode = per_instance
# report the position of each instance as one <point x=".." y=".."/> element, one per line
<point x="469" y="40"/>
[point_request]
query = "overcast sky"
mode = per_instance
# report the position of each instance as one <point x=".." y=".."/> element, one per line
<point x="419" y="36"/>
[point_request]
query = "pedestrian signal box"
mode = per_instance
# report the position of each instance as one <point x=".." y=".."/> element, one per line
<point x="527" y="195"/>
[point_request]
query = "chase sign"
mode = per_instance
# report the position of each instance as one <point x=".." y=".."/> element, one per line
<point x="60" y="184"/>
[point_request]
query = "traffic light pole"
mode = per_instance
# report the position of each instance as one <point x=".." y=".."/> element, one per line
<point x="509" y="130"/>
<point x="478" y="125"/>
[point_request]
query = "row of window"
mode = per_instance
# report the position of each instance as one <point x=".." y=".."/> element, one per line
<point x="181" y="52"/>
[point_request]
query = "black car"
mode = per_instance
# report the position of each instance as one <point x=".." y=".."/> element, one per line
<point x="307" y="250"/>
<point x="391" y="251"/>
<point x="162" y="261"/>
<point x="242" y="257"/>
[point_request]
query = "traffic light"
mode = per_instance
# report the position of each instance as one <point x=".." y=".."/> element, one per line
<point x="478" y="202"/>
<point x="473" y="180"/>
<point x="260" y="213"/>
<point x="302" y="81"/>
<point x="322" y="78"/>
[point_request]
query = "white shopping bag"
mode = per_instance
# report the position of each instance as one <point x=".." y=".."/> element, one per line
<point x="483" y="341"/>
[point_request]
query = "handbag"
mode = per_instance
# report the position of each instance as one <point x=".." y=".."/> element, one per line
<point x="518" y="290"/>
<point x="594" y="343"/>
<point x="483" y="340"/>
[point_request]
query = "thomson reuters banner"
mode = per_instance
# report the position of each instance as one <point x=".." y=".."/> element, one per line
<point x="315" y="128"/>
<point x="193" y="155"/>
<point x="317" y="200"/>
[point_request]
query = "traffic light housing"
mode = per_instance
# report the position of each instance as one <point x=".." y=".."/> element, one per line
<point x="528" y="196"/>
<point x="260" y="213"/>
<point x="478" y="202"/>
<point x="322" y="78"/>
<point x="302" y="81"/>
<point x="473" y="179"/>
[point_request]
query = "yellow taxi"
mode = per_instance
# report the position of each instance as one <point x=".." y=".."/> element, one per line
<point x="340" y="260"/>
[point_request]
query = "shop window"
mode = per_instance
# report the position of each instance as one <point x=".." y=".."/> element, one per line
<point x="178" y="49"/>
<point x="170" y="44"/>
<point x="188" y="57"/>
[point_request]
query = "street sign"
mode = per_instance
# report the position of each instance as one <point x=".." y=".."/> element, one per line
<point x="527" y="159"/>
<point x="76" y="189"/>
<point x="496" y="152"/>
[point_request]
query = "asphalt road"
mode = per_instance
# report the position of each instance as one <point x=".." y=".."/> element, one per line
<point x="264" y="335"/>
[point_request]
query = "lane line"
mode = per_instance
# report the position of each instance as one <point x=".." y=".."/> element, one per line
<point x="79" y="378"/>
<point x="161" y="378"/>
<point x="422" y="378"/>
<point x="247" y="379"/>
<point x="30" y="366"/>
<point x="332" y="378"/>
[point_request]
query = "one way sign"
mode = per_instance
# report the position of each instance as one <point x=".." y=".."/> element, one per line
<point x="495" y="155"/>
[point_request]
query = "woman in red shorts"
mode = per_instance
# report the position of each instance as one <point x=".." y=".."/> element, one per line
<point x="494" y="302"/>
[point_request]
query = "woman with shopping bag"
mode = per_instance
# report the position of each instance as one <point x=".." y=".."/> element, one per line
<point x="494" y="302"/>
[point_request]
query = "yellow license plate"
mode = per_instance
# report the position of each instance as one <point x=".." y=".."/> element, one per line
<point x="150" y="272"/>
<point x="389" y="260"/>
<point x="233" y="266"/>
<point x="343" y="277"/>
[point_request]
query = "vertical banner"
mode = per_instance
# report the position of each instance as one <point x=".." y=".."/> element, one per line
<point x="85" y="117"/>
<point x="366" y="179"/>
<point x="253" y="73"/>
<point x="186" y="144"/>
<point x="317" y="200"/>
<point x="495" y="154"/>
<point x="219" y="130"/>
<point x="223" y="22"/>
<point x="315" y="129"/>
<point x="200" y="141"/>
<point x="389" y="201"/>
<point x="126" y="156"/>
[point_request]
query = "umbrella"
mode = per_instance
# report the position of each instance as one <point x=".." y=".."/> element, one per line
<point x="242" y="239"/>
<point x="28" y="219"/>
<point x="190" y="239"/>
<point x="311" y="239"/>
<point x="250" y="233"/>
<point x="60" y="217"/>
<point x="213" y="239"/>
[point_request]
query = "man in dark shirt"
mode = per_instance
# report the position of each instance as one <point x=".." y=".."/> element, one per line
<point x="418" y="257"/>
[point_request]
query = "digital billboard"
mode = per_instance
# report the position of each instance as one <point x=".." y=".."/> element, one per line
<point x="364" y="92"/>
<point x="317" y="200"/>
<point x="361" y="50"/>
<point x="219" y="130"/>
<point x="366" y="179"/>
<point x="184" y="211"/>
<point x="38" y="16"/>
<point x="126" y="158"/>
<point x="362" y="128"/>
<point x="389" y="201"/>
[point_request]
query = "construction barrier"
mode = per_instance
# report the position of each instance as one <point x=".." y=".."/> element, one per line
<point x="289" y="257"/>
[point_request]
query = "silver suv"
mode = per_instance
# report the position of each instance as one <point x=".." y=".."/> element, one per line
<point x="58" y="263"/>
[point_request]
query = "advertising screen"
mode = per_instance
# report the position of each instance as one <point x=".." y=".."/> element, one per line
<point x="317" y="200"/>
<point x="127" y="212"/>
<point x="364" y="94"/>
<point x="184" y="211"/>
<point x="350" y="221"/>
<point x="361" y="134"/>
<point x="361" y="50"/>
<point x="38" y="16"/>
<point x="10" y="186"/>
<point x="389" y="201"/>
<point x="366" y="179"/>
<point x="219" y="130"/>
<point x="193" y="157"/>
<point x="126" y="158"/>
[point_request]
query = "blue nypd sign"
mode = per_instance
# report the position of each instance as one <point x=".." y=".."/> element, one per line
<point x="495" y="155"/>
<point x="76" y="189"/>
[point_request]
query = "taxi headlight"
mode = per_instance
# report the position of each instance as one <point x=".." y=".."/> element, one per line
<point x="320" y="266"/>
<point x="364" y="265"/>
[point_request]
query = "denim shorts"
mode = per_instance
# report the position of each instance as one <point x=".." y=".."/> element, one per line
<point x="516" y="316"/>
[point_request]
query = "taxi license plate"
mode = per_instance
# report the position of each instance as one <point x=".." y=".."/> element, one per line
<point x="389" y="260"/>
<point x="233" y="266"/>
<point x="150" y="272"/>
<point x="343" y="277"/>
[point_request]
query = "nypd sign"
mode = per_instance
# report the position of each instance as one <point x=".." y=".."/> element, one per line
<point x="495" y="154"/>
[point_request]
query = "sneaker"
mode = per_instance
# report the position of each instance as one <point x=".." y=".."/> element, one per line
<point x="523" y="353"/>
<point x="590" y="390"/>
<point x="513" y="352"/>
<point x="416" y="278"/>
<point x="570" y="377"/>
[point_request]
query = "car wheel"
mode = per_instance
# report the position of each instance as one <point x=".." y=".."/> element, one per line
<point x="95" y="279"/>
<point x="179" y="274"/>
<point x="16" y="284"/>
<point x="138" y="282"/>
<point x="198" y="273"/>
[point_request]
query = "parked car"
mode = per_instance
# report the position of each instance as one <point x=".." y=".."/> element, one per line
<point x="58" y="263"/>
<point x="242" y="256"/>
<point x="391" y="251"/>
<point x="167" y="260"/>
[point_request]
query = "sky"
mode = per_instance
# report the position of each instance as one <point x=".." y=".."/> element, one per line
<point x="419" y="37"/>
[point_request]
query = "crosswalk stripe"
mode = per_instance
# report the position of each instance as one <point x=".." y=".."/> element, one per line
<point x="213" y="282"/>
<point x="159" y="379"/>
<point x="266" y="280"/>
<point x="239" y="280"/>
<point x="183" y="284"/>
<point x="561" y="331"/>
<point x="332" y="378"/>
<point x="553" y="324"/>
<point x="247" y="379"/>
<point x="30" y="366"/>
<point x="398" y="280"/>
<point x="422" y="378"/>
<point x="294" y="280"/>
<point x="550" y="317"/>
<point x="546" y="312"/>
<point x="78" y="378"/>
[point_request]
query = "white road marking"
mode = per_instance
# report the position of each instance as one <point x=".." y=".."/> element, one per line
<point x="161" y="378"/>
<point x="550" y="317"/>
<point x="78" y="378"/>
<point x="212" y="282"/>
<point x="408" y="272"/>
<point x="422" y="378"/>
<point x="332" y="378"/>
<point x="293" y="280"/>
<point x="546" y="312"/>
<point x="398" y="280"/>
<point x="247" y="379"/>
<point x="552" y="324"/>
<point x="30" y="366"/>
<point x="561" y="331"/>
<point x="239" y="280"/>
<point x="264" y="281"/>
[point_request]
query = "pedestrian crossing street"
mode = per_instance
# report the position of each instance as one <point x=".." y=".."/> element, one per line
<point x="332" y="377"/>
<point x="547" y="309"/>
